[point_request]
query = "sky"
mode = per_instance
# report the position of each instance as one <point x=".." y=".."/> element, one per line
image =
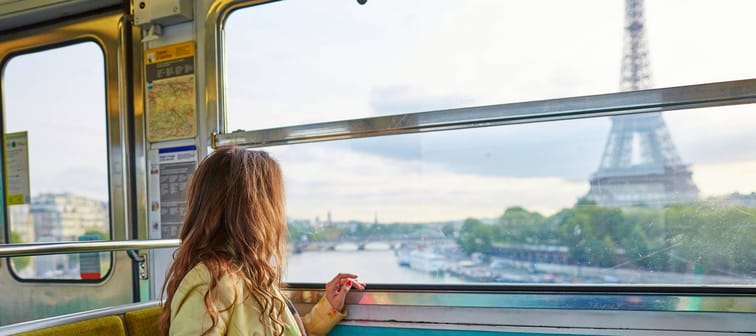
<point x="300" y="61"/>
<point x="297" y="61"/>
<point x="58" y="97"/>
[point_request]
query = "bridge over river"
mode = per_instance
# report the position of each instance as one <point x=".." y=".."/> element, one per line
<point x="368" y="243"/>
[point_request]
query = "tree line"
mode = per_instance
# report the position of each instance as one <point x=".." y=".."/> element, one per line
<point x="702" y="238"/>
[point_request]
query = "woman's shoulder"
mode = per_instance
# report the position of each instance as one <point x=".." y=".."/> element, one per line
<point x="200" y="275"/>
<point x="227" y="290"/>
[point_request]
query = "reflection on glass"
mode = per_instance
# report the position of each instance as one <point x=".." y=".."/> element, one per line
<point x="299" y="61"/>
<point x="636" y="199"/>
<point x="513" y="204"/>
<point x="67" y="158"/>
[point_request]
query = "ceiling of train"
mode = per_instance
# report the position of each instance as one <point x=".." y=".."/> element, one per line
<point x="19" y="13"/>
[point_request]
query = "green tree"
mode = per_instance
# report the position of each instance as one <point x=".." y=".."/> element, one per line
<point x="448" y="230"/>
<point x="101" y="235"/>
<point x="575" y="229"/>
<point x="591" y="233"/>
<point x="297" y="230"/>
<point x="475" y="236"/>
<point x="646" y="244"/>
<point x="19" y="263"/>
<point x="326" y="234"/>
<point x="605" y="253"/>
<point x="711" y="239"/>
<point x="636" y="247"/>
<point x="699" y="237"/>
<point x="518" y="225"/>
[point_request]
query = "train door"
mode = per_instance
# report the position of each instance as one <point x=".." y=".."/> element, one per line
<point x="68" y="156"/>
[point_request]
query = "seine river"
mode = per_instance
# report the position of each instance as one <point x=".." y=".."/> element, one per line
<point x="376" y="266"/>
<point x="381" y="266"/>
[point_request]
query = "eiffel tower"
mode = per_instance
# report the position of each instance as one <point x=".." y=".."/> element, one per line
<point x="640" y="165"/>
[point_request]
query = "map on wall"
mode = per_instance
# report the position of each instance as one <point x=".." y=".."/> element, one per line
<point x="17" y="168"/>
<point x="170" y="171"/>
<point x="171" y="103"/>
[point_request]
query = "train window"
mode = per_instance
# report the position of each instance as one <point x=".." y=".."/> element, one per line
<point x="636" y="199"/>
<point x="297" y="61"/>
<point x="56" y="158"/>
<point x="532" y="203"/>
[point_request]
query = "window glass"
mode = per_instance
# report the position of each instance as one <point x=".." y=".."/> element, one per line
<point x="530" y="203"/>
<point x="55" y="103"/>
<point x="299" y="61"/>
<point x="637" y="199"/>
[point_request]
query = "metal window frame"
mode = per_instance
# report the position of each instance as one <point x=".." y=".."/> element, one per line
<point x="21" y="250"/>
<point x="105" y="29"/>
<point x="621" y="103"/>
<point x="740" y="298"/>
<point x="667" y="298"/>
<point x="642" y="101"/>
<point x="54" y="321"/>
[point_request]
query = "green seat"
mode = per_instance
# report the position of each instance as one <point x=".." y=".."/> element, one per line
<point x="108" y="325"/>
<point x="143" y="322"/>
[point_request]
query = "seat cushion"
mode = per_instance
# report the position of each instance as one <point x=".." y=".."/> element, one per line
<point x="108" y="325"/>
<point x="143" y="322"/>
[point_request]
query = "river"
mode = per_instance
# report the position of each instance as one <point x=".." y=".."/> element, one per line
<point x="381" y="266"/>
<point x="376" y="266"/>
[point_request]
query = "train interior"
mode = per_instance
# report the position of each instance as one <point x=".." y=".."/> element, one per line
<point x="487" y="167"/>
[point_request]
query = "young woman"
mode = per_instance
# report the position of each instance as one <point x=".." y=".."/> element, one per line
<point x="226" y="273"/>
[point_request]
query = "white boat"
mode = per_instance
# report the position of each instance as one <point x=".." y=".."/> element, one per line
<point x="403" y="256"/>
<point x="426" y="261"/>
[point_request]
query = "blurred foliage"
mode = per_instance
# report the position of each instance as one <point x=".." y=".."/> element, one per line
<point x="475" y="236"/>
<point x="19" y="263"/>
<point x="702" y="238"/>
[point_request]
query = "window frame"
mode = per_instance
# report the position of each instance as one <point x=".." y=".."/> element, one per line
<point x="655" y="100"/>
<point x="109" y="40"/>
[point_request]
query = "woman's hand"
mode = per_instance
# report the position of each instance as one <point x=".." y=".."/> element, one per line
<point x="337" y="289"/>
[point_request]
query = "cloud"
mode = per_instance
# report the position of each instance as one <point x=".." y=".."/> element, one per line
<point x="341" y="61"/>
<point x="400" y="99"/>
<point x="58" y="97"/>
<point x="355" y="185"/>
<point x="725" y="178"/>
<point x="700" y="41"/>
<point x="715" y="135"/>
<point x="358" y="185"/>
<point x="570" y="150"/>
<point x="297" y="62"/>
<point x="85" y="181"/>
<point x="337" y="57"/>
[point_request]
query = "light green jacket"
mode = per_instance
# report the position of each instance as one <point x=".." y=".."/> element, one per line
<point x="189" y="316"/>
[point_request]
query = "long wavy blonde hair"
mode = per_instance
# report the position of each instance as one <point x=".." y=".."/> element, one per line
<point x="235" y="225"/>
